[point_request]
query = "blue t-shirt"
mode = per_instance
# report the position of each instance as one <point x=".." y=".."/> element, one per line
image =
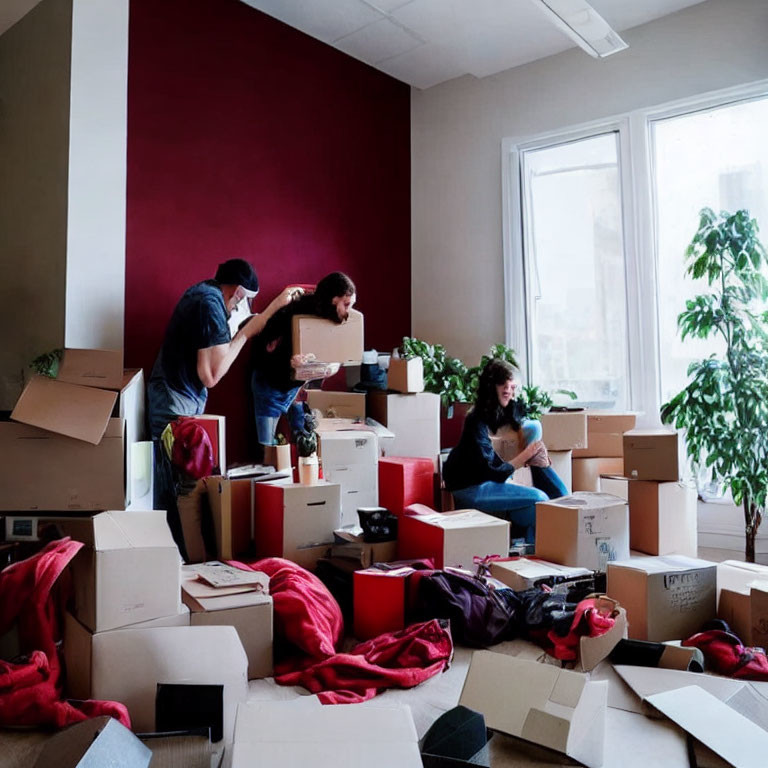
<point x="199" y="321"/>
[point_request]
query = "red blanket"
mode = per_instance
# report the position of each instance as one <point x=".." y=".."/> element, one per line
<point x="307" y="615"/>
<point x="30" y="688"/>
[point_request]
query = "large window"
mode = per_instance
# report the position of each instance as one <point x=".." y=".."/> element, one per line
<point x="574" y="269"/>
<point x="716" y="158"/>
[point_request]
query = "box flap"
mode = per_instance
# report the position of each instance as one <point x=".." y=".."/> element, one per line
<point x="737" y="740"/>
<point x="125" y="530"/>
<point x="592" y="650"/>
<point x="587" y="500"/>
<point x="539" y="569"/>
<point x="646" y="681"/>
<point x="93" y="368"/>
<point x="67" y="409"/>
<point x="460" y="518"/>
<point x="663" y="564"/>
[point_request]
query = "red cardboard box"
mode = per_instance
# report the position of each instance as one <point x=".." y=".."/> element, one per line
<point x="379" y="601"/>
<point x="404" y="481"/>
<point x="451" y="538"/>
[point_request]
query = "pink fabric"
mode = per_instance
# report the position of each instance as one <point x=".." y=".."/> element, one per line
<point x="309" y="618"/>
<point x="587" y="622"/>
<point x="725" y="654"/>
<point x="30" y="689"/>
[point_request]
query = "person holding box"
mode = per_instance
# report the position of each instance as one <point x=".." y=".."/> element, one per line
<point x="273" y="384"/>
<point x="478" y="478"/>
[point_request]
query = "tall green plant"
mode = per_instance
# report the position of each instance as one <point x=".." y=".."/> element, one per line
<point x="724" y="407"/>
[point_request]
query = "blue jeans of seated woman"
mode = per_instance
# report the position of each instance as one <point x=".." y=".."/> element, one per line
<point x="269" y="404"/>
<point x="516" y="503"/>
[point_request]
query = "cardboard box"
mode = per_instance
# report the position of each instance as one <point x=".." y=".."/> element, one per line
<point x="415" y="420"/>
<point x="295" y="521"/>
<point x="128" y="664"/>
<point x="520" y="573"/>
<point x="351" y="459"/>
<point x="129" y="571"/>
<point x="384" y="436"/>
<point x="605" y="434"/>
<point x="338" y="405"/>
<point x="278" y="456"/>
<point x="231" y="503"/>
<point x="328" y="341"/>
<point x="380" y="601"/>
<point x="564" y="431"/>
<point x="366" y="553"/>
<point x="586" y="472"/>
<point x="583" y="529"/>
<point x="406" y="376"/>
<point x="44" y="471"/>
<point x="101" y="368"/>
<point x="653" y="454"/>
<point x="404" y="481"/>
<point x="324" y="737"/>
<point x="452" y="538"/>
<point x="666" y="598"/>
<point x="191" y="510"/>
<point x="556" y="708"/>
<point x="742" y="600"/>
<point x="663" y="518"/>
<point x="562" y="463"/>
<point x="79" y="642"/>
<point x="250" y="613"/>
<point x="506" y="443"/>
<point x="616" y="485"/>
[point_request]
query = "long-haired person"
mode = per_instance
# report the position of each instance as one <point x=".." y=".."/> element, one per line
<point x="478" y="478"/>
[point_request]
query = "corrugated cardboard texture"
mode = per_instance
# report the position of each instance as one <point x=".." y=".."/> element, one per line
<point x="67" y="409"/>
<point x="328" y="341"/>
<point x="564" y="431"/>
<point x="101" y="368"/>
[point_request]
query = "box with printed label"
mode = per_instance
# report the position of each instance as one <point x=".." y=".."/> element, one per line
<point x="564" y="431"/>
<point x="586" y="472"/>
<point x="653" y="454"/>
<point x="328" y="341"/>
<point x="248" y="611"/>
<point x="403" y="481"/>
<point x="583" y="529"/>
<point x="406" y="376"/>
<point x="522" y="573"/>
<point x="451" y="538"/>
<point x="605" y="434"/>
<point x="351" y="459"/>
<point x="742" y="600"/>
<point x="663" y="518"/>
<point x="295" y="521"/>
<point x="666" y="598"/>
<point x="414" y="419"/>
<point x="128" y="571"/>
<point x="337" y="405"/>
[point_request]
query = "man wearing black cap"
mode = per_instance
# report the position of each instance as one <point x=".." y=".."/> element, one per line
<point x="198" y="349"/>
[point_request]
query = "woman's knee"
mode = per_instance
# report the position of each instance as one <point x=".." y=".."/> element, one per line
<point x="531" y="431"/>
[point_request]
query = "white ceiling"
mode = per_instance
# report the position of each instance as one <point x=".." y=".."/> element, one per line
<point x="426" y="42"/>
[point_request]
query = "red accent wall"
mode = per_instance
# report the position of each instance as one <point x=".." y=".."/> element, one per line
<point x="247" y="138"/>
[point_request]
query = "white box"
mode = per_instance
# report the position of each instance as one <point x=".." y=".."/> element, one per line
<point x="351" y="459"/>
<point x="583" y="529"/>
<point x="522" y="573"/>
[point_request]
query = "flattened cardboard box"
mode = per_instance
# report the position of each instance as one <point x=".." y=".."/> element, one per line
<point x="556" y="708"/>
<point x="666" y="598"/>
<point x="129" y="571"/>
<point x="337" y="405"/>
<point x="328" y="341"/>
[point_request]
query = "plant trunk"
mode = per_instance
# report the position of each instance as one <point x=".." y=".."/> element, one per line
<point x="752" y="519"/>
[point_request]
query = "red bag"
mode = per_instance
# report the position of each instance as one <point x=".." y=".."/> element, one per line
<point x="192" y="448"/>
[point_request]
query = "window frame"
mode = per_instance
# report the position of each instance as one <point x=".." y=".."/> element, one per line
<point x="636" y="154"/>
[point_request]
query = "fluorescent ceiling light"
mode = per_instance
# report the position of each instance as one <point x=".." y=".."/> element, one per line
<point x="584" y="24"/>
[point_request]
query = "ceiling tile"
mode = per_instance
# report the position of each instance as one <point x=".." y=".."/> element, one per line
<point x="387" y="6"/>
<point x="378" y="41"/>
<point x="425" y="66"/>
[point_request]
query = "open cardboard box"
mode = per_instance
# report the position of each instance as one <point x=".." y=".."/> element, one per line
<point x="556" y="708"/>
<point x="328" y="341"/>
<point x="337" y="405"/>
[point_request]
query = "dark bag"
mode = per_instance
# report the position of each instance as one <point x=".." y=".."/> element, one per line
<point x="378" y="524"/>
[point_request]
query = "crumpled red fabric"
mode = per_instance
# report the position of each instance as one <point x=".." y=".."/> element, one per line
<point x="192" y="448"/>
<point x="725" y="654"/>
<point x="309" y="618"/>
<point x="587" y="622"/>
<point x="30" y="688"/>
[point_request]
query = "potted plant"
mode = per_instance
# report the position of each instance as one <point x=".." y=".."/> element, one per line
<point x="306" y="448"/>
<point x="724" y="407"/>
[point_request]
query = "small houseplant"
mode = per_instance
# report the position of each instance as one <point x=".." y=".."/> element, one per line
<point x="724" y="407"/>
<point x="306" y="448"/>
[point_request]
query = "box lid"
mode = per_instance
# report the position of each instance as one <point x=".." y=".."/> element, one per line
<point x="460" y="518"/>
<point x="126" y="530"/>
<point x="663" y="564"/>
<point x="67" y="409"/>
<point x="539" y="569"/>
<point x="586" y="500"/>
<point x="101" y="368"/>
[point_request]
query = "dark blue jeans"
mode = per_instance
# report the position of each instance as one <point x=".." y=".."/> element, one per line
<point x="269" y="404"/>
<point x="512" y="502"/>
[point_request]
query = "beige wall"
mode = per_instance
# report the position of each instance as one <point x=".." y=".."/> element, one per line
<point x="457" y="129"/>
<point x="34" y="145"/>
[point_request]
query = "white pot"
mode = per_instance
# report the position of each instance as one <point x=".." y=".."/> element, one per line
<point x="308" y="470"/>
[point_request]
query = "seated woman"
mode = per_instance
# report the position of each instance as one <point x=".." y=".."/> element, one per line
<point x="478" y="478"/>
<point x="273" y="385"/>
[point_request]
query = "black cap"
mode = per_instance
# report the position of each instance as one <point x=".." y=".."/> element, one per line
<point x="238" y="272"/>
